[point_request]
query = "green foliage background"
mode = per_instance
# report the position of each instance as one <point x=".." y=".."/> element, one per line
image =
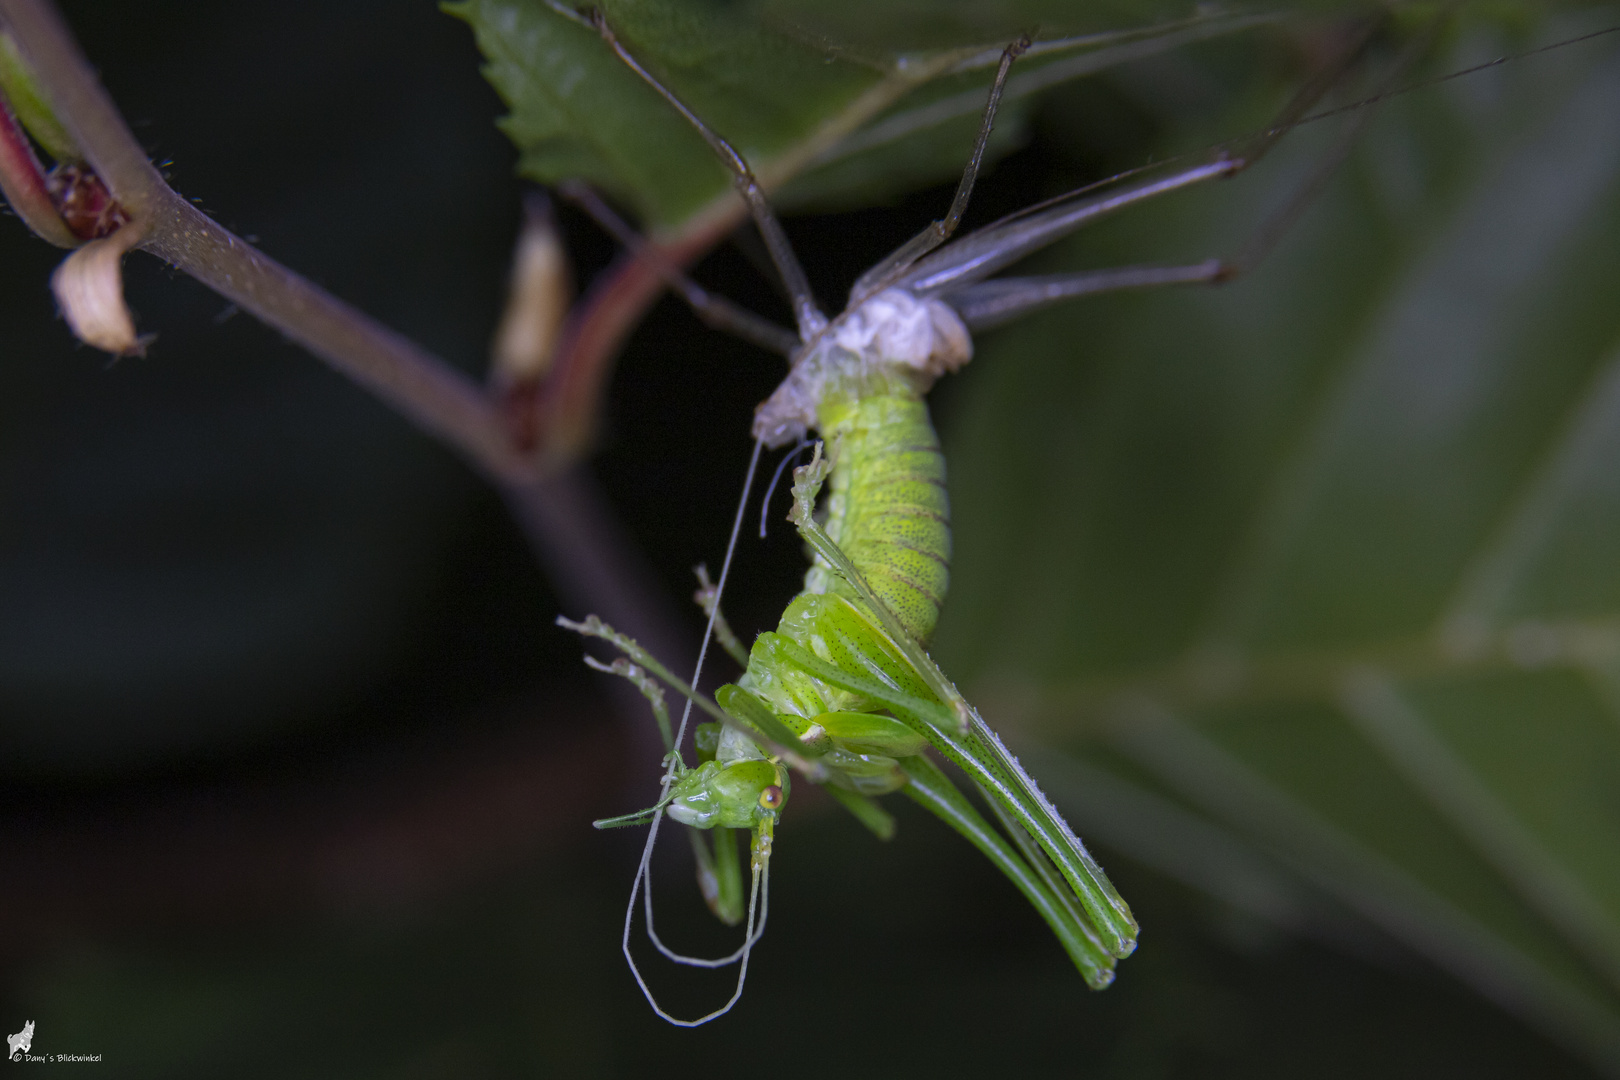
<point x="1319" y="567"/>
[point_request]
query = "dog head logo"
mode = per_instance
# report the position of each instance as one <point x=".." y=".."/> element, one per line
<point x="17" y="1045"/>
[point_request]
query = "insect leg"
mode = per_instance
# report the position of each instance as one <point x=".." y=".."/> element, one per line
<point x="940" y="231"/>
<point x="989" y="303"/>
<point x="809" y="317"/>
<point x="807" y="481"/>
<point x="717" y="311"/>
<point x="1037" y="860"/>
<point x="980" y="254"/>
<point x="981" y="754"/>
<point x="708" y="598"/>
<point x="865" y="809"/>
<point x="968" y="740"/>
<point x="595" y="627"/>
<point x="1000" y="244"/>
<point x="649" y="690"/>
<point x="1273" y="229"/>
<point x="719" y="877"/>
<point x="719" y="873"/>
<point x="758" y="724"/>
<point x="934" y="791"/>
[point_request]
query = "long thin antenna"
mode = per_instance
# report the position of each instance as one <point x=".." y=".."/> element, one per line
<point x="759" y="899"/>
<point x="643" y="879"/>
<point x="776" y="478"/>
<point x="1265" y="238"/>
<point x="1506" y="58"/>
<point x="1275" y="129"/>
<point x="1324" y="79"/>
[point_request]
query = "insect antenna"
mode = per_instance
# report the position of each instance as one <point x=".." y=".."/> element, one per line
<point x="776" y="477"/>
<point x="1272" y="230"/>
<point x="643" y="880"/>
<point x="1277" y="129"/>
<point x="751" y="934"/>
<point x="1423" y="84"/>
<point x="759" y="902"/>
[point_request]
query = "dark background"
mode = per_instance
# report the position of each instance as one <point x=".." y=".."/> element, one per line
<point x="297" y="774"/>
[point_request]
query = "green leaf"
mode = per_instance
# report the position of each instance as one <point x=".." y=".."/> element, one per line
<point x="578" y="112"/>
<point x="869" y="104"/>
<point x="17" y="86"/>
<point x="1327" y="560"/>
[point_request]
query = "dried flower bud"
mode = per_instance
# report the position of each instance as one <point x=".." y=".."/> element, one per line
<point x="89" y="288"/>
<point x="540" y="291"/>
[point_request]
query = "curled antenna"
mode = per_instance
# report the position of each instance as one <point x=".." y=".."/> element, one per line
<point x="751" y="934"/>
<point x="755" y="923"/>
<point x="759" y="900"/>
<point x="776" y="477"/>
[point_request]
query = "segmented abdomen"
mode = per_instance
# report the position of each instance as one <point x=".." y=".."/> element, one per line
<point x="888" y="509"/>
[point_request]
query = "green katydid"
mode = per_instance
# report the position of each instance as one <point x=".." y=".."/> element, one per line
<point x="844" y="691"/>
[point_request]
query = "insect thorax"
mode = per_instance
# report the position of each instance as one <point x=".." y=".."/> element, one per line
<point x="892" y="342"/>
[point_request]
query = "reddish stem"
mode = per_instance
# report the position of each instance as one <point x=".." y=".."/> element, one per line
<point x="571" y="398"/>
<point x="22" y="178"/>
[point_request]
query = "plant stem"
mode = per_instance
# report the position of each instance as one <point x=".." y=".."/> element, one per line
<point x="595" y="567"/>
<point x="434" y="395"/>
<point x="22" y="181"/>
<point x="439" y="399"/>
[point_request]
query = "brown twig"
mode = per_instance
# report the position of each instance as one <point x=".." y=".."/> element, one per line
<point x="434" y="395"/>
<point x="594" y="332"/>
<point x="553" y="499"/>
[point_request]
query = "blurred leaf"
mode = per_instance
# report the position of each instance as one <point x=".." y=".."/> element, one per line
<point x="1331" y="556"/>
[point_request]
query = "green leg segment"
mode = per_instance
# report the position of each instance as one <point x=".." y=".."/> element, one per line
<point x="866" y="811"/>
<point x="719" y="873"/>
<point x="989" y="764"/>
<point x="934" y="790"/>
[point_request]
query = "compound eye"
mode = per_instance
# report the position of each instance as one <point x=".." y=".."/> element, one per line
<point x="771" y="798"/>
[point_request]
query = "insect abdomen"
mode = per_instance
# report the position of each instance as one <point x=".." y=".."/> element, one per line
<point x="888" y="509"/>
